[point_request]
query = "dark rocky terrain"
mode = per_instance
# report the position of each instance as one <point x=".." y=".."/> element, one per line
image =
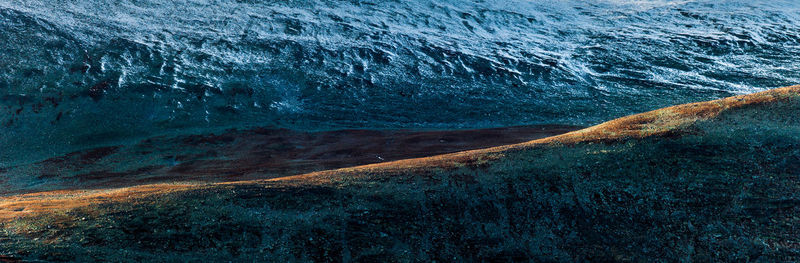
<point x="710" y="181"/>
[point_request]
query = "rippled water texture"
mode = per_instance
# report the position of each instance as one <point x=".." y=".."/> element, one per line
<point x="76" y="74"/>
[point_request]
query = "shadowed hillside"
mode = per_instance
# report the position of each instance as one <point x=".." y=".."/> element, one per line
<point x="708" y="181"/>
<point x="236" y="155"/>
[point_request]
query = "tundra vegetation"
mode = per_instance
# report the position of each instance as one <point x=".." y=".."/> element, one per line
<point x="718" y="186"/>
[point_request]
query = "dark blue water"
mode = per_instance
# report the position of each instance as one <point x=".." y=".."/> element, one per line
<point x="75" y="74"/>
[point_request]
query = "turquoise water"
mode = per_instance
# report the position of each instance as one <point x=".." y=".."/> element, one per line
<point x="77" y="74"/>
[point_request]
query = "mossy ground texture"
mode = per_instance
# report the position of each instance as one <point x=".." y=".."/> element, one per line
<point x="722" y="189"/>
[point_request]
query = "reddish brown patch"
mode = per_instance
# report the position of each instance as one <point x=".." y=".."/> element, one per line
<point x="262" y="151"/>
<point x="9" y="259"/>
<point x="266" y="153"/>
<point x="209" y="139"/>
<point x="53" y="167"/>
<point x="259" y="148"/>
<point x="125" y="176"/>
<point x="96" y="154"/>
<point x="670" y="122"/>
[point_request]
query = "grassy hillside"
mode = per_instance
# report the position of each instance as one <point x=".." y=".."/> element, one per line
<point x="257" y="153"/>
<point x="711" y="181"/>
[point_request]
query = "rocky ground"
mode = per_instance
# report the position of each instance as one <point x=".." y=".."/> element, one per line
<point x="711" y="181"/>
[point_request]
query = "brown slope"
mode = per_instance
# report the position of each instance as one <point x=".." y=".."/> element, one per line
<point x="666" y="122"/>
<point x="260" y="153"/>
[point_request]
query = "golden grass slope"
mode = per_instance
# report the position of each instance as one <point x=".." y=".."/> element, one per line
<point x="671" y="121"/>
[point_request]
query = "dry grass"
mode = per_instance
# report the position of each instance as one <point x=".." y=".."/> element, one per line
<point x="671" y="121"/>
<point x="34" y="203"/>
